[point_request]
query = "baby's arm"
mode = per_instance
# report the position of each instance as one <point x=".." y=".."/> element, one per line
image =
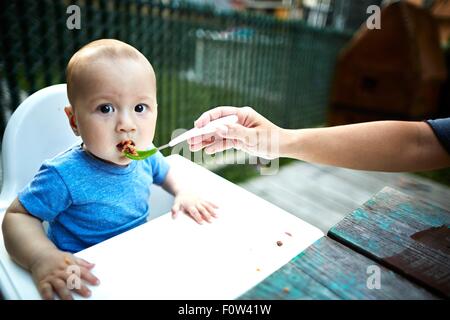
<point x="27" y="244"/>
<point x="199" y="209"/>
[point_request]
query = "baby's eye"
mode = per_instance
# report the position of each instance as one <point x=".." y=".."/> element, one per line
<point x="106" y="108"/>
<point x="140" y="108"/>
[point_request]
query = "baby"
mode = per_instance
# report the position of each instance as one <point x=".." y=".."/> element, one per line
<point x="92" y="192"/>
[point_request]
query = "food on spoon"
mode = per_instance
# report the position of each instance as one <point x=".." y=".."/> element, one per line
<point x="127" y="146"/>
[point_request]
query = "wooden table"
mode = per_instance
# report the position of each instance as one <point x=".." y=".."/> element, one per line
<point x="404" y="240"/>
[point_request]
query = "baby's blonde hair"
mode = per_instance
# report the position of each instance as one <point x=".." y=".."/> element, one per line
<point x="103" y="48"/>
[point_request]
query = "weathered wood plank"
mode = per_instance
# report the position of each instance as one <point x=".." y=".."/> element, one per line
<point x="321" y="189"/>
<point x="310" y="210"/>
<point x="308" y="193"/>
<point x="371" y="181"/>
<point x="323" y="195"/>
<point x="403" y="233"/>
<point x="329" y="270"/>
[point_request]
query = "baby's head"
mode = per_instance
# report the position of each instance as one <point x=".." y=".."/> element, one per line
<point x="112" y="92"/>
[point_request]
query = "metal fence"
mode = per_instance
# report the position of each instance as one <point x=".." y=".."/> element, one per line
<point x="201" y="58"/>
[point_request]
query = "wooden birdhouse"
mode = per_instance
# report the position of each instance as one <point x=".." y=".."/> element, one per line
<point x="395" y="72"/>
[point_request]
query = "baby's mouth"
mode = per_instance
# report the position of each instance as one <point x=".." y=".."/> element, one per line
<point x="127" y="146"/>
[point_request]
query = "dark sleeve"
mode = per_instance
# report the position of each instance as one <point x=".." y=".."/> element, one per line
<point x="441" y="128"/>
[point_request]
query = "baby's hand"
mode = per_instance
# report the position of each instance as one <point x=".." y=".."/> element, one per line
<point x="59" y="272"/>
<point x="200" y="210"/>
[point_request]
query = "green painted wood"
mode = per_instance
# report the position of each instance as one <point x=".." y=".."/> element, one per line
<point x="403" y="233"/>
<point x="330" y="270"/>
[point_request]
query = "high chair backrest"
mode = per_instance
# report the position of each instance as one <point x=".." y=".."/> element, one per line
<point x="37" y="130"/>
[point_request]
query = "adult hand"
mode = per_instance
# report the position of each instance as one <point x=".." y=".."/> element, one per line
<point x="252" y="133"/>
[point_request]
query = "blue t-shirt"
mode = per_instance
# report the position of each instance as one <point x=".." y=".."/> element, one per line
<point x="87" y="200"/>
<point x="441" y="128"/>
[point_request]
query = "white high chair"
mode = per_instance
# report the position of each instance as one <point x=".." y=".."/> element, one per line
<point x="39" y="130"/>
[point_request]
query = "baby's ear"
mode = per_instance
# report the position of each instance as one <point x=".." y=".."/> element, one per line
<point x="72" y="119"/>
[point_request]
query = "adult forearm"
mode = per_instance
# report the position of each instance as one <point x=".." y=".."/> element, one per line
<point x="25" y="239"/>
<point x="380" y="146"/>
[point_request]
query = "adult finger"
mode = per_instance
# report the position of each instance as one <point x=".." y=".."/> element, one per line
<point x="206" y="144"/>
<point x="201" y="138"/>
<point x="224" y="144"/>
<point x="196" y="147"/>
<point x="218" y="146"/>
<point x="236" y="131"/>
<point x="202" y="144"/>
<point x="215" y="113"/>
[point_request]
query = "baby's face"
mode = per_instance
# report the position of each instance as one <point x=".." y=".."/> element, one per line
<point x="116" y="101"/>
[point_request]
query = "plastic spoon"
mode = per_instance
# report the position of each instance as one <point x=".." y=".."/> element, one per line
<point x="194" y="132"/>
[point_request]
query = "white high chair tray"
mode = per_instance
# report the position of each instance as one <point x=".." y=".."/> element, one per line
<point x="179" y="259"/>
